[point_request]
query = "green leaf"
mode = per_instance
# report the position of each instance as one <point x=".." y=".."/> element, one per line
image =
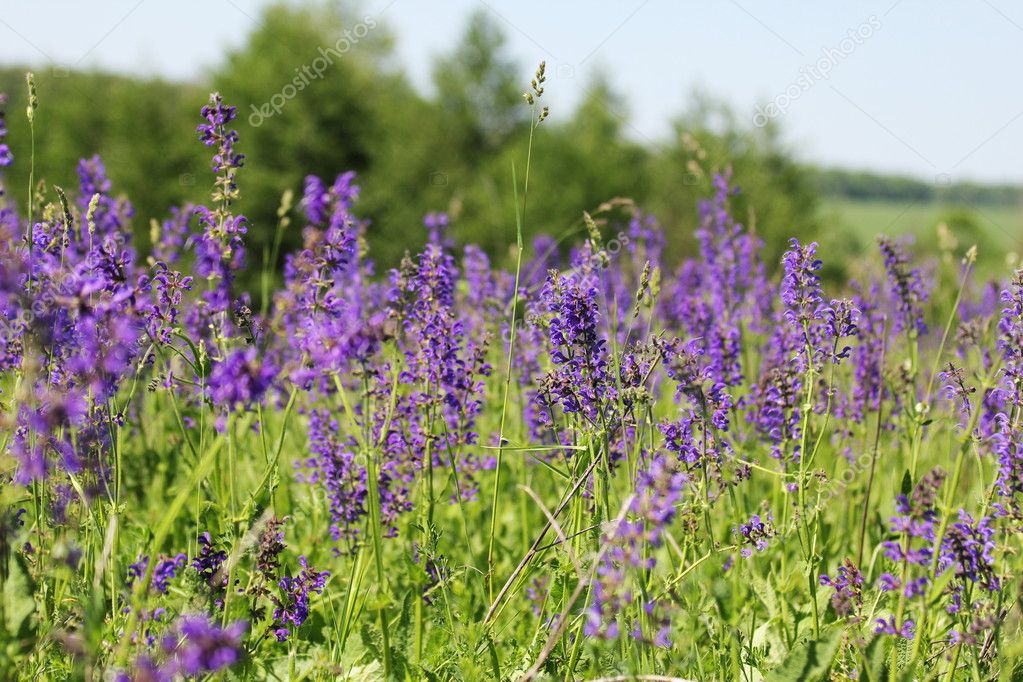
<point x="810" y="660"/>
<point x="765" y="591"/>
<point x="371" y="640"/>
<point x="907" y="483"/>
<point x="877" y="658"/>
<point x="19" y="605"/>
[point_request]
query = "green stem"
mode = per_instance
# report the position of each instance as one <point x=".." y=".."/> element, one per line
<point x="519" y="217"/>
<point x="373" y="489"/>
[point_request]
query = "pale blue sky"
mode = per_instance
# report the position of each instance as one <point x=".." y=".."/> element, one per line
<point x="929" y="87"/>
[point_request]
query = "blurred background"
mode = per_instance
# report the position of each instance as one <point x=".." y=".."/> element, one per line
<point x="838" y="120"/>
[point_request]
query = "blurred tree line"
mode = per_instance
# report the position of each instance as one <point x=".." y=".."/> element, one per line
<point x="451" y="149"/>
<point x="865" y="185"/>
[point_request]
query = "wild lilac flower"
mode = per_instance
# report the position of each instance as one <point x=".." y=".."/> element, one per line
<point x="821" y="327"/>
<point x="869" y="387"/>
<point x="682" y="308"/>
<point x="208" y="564"/>
<point x="167" y="290"/>
<point x="978" y="626"/>
<point x="610" y="598"/>
<point x="1010" y="339"/>
<point x="907" y="287"/>
<point x="1005" y="433"/>
<point x="166" y="569"/>
<point x="333" y="466"/>
<point x="967" y="548"/>
<point x="136" y="570"/>
<point x="848" y="586"/>
<point x="913" y="549"/>
<point x="756" y="533"/>
<point x="887" y="582"/>
<point x="445" y="368"/>
<point x="730" y="254"/>
<point x="646" y="238"/>
<point x="916" y="588"/>
<point x="579" y="382"/>
<point x="482" y="298"/>
<point x="219" y="255"/>
<point x="292" y="606"/>
<point x="916" y="521"/>
<point x="887" y="626"/>
<point x="110" y="216"/>
<point x="13" y="323"/>
<point x="92" y="179"/>
<point x="144" y="669"/>
<point x="696" y="435"/>
<point x="658" y="490"/>
<point x="986" y="304"/>
<point x="841" y="321"/>
<point x="800" y="284"/>
<point x="774" y="404"/>
<point x="685" y="364"/>
<point x="6" y="158"/>
<point x="315" y="200"/>
<point x="169" y="240"/>
<point x="330" y="211"/>
<point x="84" y="330"/>
<point x="1008" y="448"/>
<point x="730" y="284"/>
<point x="240" y="379"/>
<point x="203" y="647"/>
<point x="679" y="438"/>
<point x="43" y="435"/>
<point x="530" y="347"/>
<point x="333" y="315"/>
<point x="436" y="224"/>
<point x="219" y="248"/>
<point x="215" y="133"/>
<point x="724" y="352"/>
<point x="659" y="612"/>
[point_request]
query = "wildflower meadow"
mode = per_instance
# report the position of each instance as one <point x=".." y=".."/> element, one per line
<point x="590" y="460"/>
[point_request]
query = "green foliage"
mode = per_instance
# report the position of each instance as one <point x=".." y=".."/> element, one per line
<point x="140" y="128"/>
<point x="809" y="661"/>
<point x="318" y="92"/>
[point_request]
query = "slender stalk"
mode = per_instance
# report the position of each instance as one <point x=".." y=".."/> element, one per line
<point x="925" y="404"/>
<point x="870" y="487"/>
<point x="519" y="218"/>
<point x="373" y="490"/>
<point x="873" y="463"/>
<point x="31" y="111"/>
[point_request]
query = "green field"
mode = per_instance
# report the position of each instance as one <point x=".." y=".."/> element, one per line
<point x="853" y="224"/>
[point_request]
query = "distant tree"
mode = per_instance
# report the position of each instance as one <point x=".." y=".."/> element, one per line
<point x="142" y="129"/>
<point x="479" y="89"/>
<point x="777" y="197"/>
<point x="315" y="96"/>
